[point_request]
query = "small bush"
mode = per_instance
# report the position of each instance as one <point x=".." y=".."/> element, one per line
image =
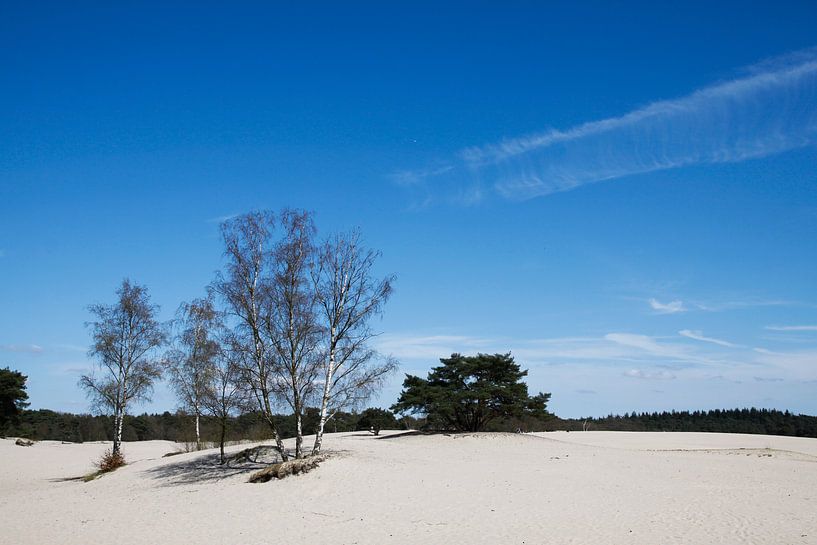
<point x="110" y="461"/>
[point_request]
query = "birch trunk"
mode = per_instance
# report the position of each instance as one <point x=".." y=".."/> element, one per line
<point x="298" y="410"/>
<point x="119" y="416"/>
<point x="299" y="436"/>
<point x="117" y="439"/>
<point x="223" y="434"/>
<point x="279" y="444"/>
<point x="198" y="433"/>
<point x="115" y="432"/>
<point x="327" y="390"/>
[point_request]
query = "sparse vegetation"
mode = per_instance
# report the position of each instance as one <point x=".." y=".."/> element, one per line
<point x="110" y="460"/>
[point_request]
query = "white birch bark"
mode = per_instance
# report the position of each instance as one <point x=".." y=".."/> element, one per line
<point x="198" y="433"/>
<point x="327" y="390"/>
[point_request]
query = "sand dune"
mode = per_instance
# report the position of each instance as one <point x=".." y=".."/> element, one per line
<point x="590" y="487"/>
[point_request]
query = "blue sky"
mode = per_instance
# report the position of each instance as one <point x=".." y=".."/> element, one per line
<point x="623" y="196"/>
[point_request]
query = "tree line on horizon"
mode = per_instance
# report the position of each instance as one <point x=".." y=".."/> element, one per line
<point x="44" y="424"/>
<point x="751" y="420"/>
<point x="460" y="385"/>
<point x="178" y="426"/>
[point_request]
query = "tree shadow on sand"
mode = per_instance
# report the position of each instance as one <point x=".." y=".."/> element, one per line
<point x="207" y="468"/>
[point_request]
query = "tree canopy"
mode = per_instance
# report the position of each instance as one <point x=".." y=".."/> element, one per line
<point x="466" y="392"/>
<point x="126" y="336"/>
<point x="376" y="419"/>
<point x="13" y="395"/>
<point x="298" y="314"/>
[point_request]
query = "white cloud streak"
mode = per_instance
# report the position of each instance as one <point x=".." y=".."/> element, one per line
<point x="673" y="307"/>
<point x="771" y="109"/>
<point x="431" y="347"/>
<point x="791" y="327"/>
<point x="700" y="357"/>
<point x="699" y="336"/>
<point x="748" y="303"/>
<point x="798" y="364"/>
<point x="71" y="348"/>
<point x="221" y="219"/>
<point x="649" y="375"/>
<point x="21" y="348"/>
<point x="610" y="349"/>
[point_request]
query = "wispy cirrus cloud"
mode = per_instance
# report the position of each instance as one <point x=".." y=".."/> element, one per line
<point x="430" y="347"/>
<point x="596" y="368"/>
<point x="699" y="336"/>
<point x="672" y="307"/>
<point x="678" y="305"/>
<point x="749" y="302"/>
<point x="221" y="219"/>
<point x="798" y="364"/>
<point x="768" y="379"/>
<point x="21" y="348"/>
<point x="71" y="348"/>
<point x="610" y="349"/>
<point x="70" y="368"/>
<point x="770" y="109"/>
<point x="791" y="327"/>
<point x="649" y="375"/>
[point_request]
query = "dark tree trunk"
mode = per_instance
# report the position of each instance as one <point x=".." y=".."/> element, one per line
<point x="223" y="434"/>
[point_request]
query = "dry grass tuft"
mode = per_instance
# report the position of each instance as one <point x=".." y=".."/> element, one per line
<point x="110" y="461"/>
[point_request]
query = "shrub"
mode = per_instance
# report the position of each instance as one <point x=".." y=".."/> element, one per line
<point x="110" y="461"/>
<point x="376" y="419"/>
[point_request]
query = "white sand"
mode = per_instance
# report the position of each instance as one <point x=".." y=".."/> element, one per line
<point x="591" y="487"/>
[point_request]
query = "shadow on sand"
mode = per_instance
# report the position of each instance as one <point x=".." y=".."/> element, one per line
<point x="206" y="468"/>
<point x="389" y="436"/>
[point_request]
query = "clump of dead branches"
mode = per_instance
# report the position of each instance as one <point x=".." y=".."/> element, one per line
<point x="284" y="469"/>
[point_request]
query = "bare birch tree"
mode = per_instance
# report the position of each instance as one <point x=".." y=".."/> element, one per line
<point x="191" y="362"/>
<point x="348" y="298"/>
<point x="126" y="336"/>
<point x="290" y="320"/>
<point x="223" y="395"/>
<point x="243" y="285"/>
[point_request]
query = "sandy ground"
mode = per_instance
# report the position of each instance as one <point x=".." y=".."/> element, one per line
<point x="588" y="487"/>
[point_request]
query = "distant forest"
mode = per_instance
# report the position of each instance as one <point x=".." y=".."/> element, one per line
<point x="44" y="424"/>
<point x="51" y="425"/>
<point x="762" y="421"/>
